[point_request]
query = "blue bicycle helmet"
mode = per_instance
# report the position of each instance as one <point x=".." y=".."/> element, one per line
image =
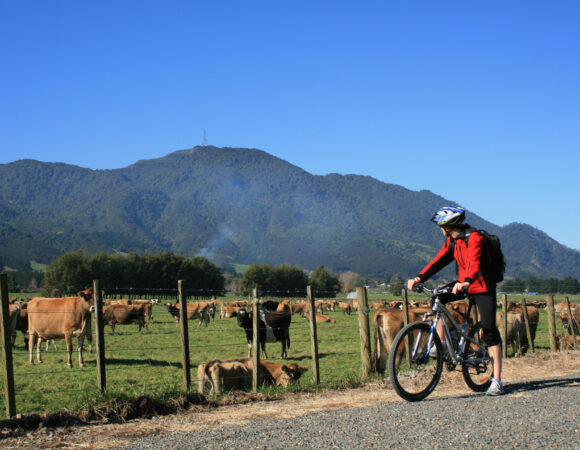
<point x="449" y="215"/>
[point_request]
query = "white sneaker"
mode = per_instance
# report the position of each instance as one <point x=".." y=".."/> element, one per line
<point x="496" y="388"/>
<point x="433" y="350"/>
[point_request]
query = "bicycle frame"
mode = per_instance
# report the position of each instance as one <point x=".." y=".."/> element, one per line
<point x="439" y="310"/>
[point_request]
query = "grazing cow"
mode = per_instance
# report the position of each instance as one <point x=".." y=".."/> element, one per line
<point x="319" y="317"/>
<point x="274" y="327"/>
<point x="515" y="329"/>
<point x="299" y="307"/>
<point x="345" y="307"/>
<point x="125" y="315"/>
<point x="236" y="374"/>
<point x="387" y="323"/>
<point x="59" y="318"/>
<point x="148" y="308"/>
<point x="325" y="305"/>
<point x="194" y="310"/>
<point x="533" y="317"/>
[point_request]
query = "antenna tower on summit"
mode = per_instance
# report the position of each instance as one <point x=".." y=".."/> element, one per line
<point x="204" y="142"/>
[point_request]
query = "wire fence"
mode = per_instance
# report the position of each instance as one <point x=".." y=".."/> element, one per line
<point x="152" y="361"/>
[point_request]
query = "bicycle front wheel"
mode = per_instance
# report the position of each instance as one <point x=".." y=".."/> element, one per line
<point x="413" y="373"/>
<point x="477" y="374"/>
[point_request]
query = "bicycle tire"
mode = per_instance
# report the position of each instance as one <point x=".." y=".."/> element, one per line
<point x="477" y="376"/>
<point x="415" y="379"/>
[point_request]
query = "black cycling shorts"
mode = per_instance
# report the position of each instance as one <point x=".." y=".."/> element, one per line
<point x="487" y="305"/>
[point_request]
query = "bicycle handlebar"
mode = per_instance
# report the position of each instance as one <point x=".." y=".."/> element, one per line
<point x="419" y="287"/>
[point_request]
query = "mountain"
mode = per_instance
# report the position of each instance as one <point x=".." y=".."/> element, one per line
<point x="244" y="206"/>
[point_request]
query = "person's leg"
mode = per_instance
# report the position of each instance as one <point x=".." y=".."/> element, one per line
<point x="487" y="306"/>
<point x="495" y="353"/>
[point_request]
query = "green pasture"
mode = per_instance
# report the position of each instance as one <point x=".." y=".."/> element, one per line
<point x="150" y="362"/>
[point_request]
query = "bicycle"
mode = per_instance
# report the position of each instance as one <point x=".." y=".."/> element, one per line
<point x="417" y="375"/>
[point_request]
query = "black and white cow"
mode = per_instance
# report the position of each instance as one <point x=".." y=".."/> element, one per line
<point x="274" y="327"/>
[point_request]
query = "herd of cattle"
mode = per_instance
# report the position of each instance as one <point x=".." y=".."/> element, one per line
<point x="67" y="317"/>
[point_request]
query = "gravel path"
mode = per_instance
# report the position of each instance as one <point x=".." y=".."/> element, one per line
<point x="537" y="414"/>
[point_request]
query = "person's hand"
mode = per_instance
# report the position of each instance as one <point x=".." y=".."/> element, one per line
<point x="458" y="287"/>
<point x="411" y="283"/>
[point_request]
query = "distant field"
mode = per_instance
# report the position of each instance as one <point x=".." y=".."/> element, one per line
<point x="151" y="362"/>
<point x="38" y="266"/>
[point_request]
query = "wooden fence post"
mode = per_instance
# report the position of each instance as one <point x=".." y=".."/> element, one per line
<point x="8" y="366"/>
<point x="184" y="334"/>
<point x="552" y="323"/>
<point x="571" y="320"/>
<point x="505" y="325"/>
<point x="527" y="322"/>
<point x="313" y="336"/>
<point x="255" y="340"/>
<point x="405" y="323"/>
<point x="100" y="336"/>
<point x="363" y="321"/>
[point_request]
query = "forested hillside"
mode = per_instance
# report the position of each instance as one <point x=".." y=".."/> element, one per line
<point x="243" y="206"/>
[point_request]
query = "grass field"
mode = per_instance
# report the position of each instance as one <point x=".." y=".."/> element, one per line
<point x="150" y="363"/>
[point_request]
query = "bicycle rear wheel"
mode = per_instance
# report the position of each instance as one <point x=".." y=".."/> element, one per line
<point x="415" y="376"/>
<point x="477" y="374"/>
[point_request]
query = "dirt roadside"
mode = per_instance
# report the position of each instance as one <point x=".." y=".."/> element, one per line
<point x="531" y="367"/>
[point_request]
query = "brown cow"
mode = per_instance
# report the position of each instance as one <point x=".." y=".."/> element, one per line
<point x="124" y="315"/>
<point x="515" y="329"/>
<point x="345" y="307"/>
<point x="194" y="309"/>
<point x="236" y="374"/>
<point x="533" y="317"/>
<point x="148" y="305"/>
<point x="229" y="311"/>
<point x="562" y="310"/>
<point x="320" y="318"/>
<point x="58" y="318"/>
<point x="567" y="342"/>
<point x="387" y="323"/>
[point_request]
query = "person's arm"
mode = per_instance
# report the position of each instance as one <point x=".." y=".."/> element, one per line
<point x="441" y="259"/>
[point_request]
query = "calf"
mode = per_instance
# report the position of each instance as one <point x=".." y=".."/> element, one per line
<point x="236" y="374"/>
<point x="274" y="327"/>
<point x="124" y="315"/>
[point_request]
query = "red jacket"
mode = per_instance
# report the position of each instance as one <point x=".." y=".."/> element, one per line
<point x="468" y="259"/>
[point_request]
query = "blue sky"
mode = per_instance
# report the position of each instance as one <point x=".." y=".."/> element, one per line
<point x="475" y="101"/>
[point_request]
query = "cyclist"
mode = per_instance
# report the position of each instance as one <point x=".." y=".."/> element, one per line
<point x="470" y="278"/>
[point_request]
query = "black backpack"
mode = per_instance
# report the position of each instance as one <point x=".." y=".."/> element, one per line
<point x="493" y="261"/>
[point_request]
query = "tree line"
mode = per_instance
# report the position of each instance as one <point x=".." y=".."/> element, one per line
<point x="122" y="272"/>
<point x="568" y="285"/>
<point x="135" y="273"/>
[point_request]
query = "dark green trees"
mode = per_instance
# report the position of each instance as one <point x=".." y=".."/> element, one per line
<point x="73" y="271"/>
